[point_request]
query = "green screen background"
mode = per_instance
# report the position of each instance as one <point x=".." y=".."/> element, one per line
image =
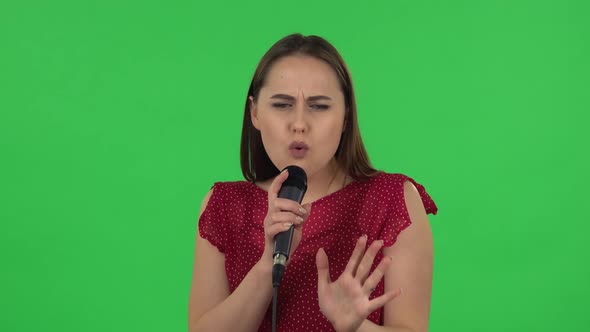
<point x="116" y="117"/>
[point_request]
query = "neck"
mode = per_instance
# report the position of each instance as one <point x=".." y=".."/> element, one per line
<point x="325" y="182"/>
<point x="320" y="184"/>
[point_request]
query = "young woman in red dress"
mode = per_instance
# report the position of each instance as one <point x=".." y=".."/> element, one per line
<point x="361" y="258"/>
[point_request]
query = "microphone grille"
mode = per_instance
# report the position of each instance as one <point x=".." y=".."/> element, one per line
<point x="297" y="177"/>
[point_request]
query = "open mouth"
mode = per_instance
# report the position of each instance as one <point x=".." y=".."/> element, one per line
<point x="298" y="149"/>
<point x="298" y="146"/>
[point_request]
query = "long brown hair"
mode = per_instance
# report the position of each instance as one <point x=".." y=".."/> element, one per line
<point x="350" y="155"/>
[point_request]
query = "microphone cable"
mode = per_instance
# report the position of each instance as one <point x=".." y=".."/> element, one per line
<point x="274" y="308"/>
<point x="278" y="269"/>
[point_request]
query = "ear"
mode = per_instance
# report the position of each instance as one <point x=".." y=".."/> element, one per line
<point x="253" y="112"/>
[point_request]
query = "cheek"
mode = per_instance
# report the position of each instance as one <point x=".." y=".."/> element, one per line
<point x="268" y="129"/>
<point x="270" y="136"/>
<point x="330" y="137"/>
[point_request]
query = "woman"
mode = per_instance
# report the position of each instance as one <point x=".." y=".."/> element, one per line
<point x="301" y="110"/>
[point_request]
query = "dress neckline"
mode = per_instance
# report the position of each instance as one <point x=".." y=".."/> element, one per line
<point x="336" y="193"/>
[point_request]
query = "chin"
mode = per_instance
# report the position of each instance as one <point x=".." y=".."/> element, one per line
<point x="301" y="163"/>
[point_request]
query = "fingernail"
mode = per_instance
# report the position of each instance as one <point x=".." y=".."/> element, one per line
<point x="364" y="236"/>
<point x="287" y="224"/>
<point x="302" y="210"/>
<point x="299" y="219"/>
<point x="381" y="242"/>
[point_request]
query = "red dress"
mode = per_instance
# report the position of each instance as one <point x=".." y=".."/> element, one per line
<point x="233" y="222"/>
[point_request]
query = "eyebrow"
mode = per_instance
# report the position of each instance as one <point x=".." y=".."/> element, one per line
<point x="291" y="98"/>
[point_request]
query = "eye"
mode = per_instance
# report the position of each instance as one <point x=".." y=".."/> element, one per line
<point x="281" y="105"/>
<point x="319" y="107"/>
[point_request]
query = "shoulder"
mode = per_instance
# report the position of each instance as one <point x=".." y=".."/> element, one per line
<point x="402" y="188"/>
<point x="393" y="183"/>
<point x="205" y="201"/>
<point x="237" y="186"/>
<point x="231" y="190"/>
<point x="221" y="206"/>
<point x="404" y="182"/>
<point x="231" y="194"/>
<point x="389" y="179"/>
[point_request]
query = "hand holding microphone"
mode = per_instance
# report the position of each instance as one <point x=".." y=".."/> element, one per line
<point x="283" y="214"/>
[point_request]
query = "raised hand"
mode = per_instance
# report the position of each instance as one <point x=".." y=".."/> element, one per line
<point x="345" y="302"/>
<point x="281" y="214"/>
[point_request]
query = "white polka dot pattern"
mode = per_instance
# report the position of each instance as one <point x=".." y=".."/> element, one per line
<point x="233" y="222"/>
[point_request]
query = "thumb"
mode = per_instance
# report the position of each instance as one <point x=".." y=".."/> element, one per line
<point x="321" y="262"/>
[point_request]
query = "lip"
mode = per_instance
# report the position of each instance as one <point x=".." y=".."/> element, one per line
<point x="298" y="145"/>
<point x="298" y="149"/>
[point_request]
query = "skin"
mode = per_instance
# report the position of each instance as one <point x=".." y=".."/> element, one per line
<point x="294" y="116"/>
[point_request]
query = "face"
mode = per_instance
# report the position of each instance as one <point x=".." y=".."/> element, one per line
<point x="300" y="113"/>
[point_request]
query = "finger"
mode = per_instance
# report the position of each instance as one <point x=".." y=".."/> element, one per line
<point x="357" y="254"/>
<point x="321" y="262"/>
<point x="275" y="186"/>
<point x="367" y="261"/>
<point x="375" y="277"/>
<point x="284" y="204"/>
<point x="382" y="300"/>
<point x="286" y="217"/>
<point x="275" y="229"/>
<point x="307" y="208"/>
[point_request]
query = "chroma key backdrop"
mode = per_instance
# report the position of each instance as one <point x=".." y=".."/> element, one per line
<point x="116" y="117"/>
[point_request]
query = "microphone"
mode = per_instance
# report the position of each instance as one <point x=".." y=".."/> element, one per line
<point x="293" y="188"/>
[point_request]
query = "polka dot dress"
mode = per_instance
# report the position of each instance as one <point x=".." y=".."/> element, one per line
<point x="233" y="222"/>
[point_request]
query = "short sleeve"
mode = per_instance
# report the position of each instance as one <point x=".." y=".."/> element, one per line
<point x="213" y="223"/>
<point x="396" y="216"/>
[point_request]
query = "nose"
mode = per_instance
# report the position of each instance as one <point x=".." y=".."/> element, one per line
<point x="300" y="122"/>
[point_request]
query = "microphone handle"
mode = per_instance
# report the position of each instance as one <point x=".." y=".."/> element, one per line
<point x="283" y="239"/>
<point x="283" y="242"/>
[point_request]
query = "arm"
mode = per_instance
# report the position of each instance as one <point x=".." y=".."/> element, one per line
<point x="211" y="306"/>
<point x="411" y="269"/>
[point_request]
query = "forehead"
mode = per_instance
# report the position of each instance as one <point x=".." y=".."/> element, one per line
<point x="299" y="72"/>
